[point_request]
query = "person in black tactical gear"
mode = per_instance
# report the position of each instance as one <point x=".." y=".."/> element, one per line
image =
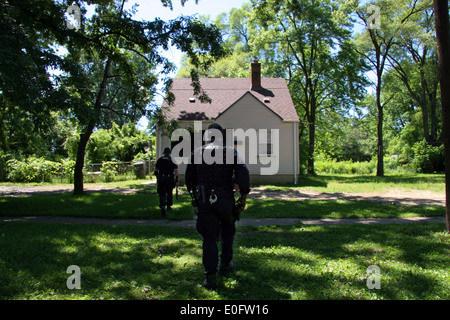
<point x="167" y="177"/>
<point x="212" y="183"/>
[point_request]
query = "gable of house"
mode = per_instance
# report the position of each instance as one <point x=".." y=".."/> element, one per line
<point x="249" y="107"/>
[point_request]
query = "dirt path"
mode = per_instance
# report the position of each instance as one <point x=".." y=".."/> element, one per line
<point x="240" y="223"/>
<point x="419" y="197"/>
<point x="15" y="191"/>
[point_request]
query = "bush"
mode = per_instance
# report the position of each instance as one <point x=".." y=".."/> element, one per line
<point x="428" y="159"/>
<point x="68" y="168"/>
<point x="142" y="157"/>
<point x="109" y="170"/>
<point x="3" y="160"/>
<point x="345" y="167"/>
<point x="31" y="170"/>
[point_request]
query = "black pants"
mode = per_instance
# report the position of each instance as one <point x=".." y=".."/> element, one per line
<point x="165" y="191"/>
<point x="210" y="220"/>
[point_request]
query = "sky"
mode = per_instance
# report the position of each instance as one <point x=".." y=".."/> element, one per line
<point x="150" y="9"/>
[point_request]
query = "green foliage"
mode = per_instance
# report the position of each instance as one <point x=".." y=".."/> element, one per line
<point x="26" y="56"/>
<point x="109" y="170"/>
<point x="99" y="146"/>
<point x="31" y="170"/>
<point x="392" y="164"/>
<point x="345" y="167"/>
<point x="68" y="167"/>
<point x="109" y="72"/>
<point x="311" y="42"/>
<point x="34" y="169"/>
<point x="142" y="157"/>
<point x="428" y="159"/>
<point x="237" y="29"/>
<point x="119" y="143"/>
<point x="3" y="160"/>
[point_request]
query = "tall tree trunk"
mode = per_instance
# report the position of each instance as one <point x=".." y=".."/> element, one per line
<point x="433" y="111"/>
<point x="312" y="134"/>
<point x="78" y="187"/>
<point x="443" y="45"/>
<point x="380" y="149"/>
<point x="3" y="144"/>
<point x="424" y="107"/>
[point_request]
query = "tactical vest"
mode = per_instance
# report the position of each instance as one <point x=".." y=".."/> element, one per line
<point x="216" y="176"/>
<point x="166" y="167"/>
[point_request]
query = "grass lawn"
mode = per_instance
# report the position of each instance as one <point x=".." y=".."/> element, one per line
<point x="271" y="208"/>
<point x="369" y="183"/>
<point x="289" y="262"/>
<point x="146" y="205"/>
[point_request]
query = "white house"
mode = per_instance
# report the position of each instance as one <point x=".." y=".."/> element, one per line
<point x="252" y="105"/>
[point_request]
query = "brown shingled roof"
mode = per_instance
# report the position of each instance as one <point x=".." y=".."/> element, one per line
<point x="223" y="93"/>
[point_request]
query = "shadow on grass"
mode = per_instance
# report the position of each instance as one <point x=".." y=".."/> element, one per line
<point x="331" y="262"/>
<point x="114" y="262"/>
<point x="295" y="262"/>
<point x="395" y="179"/>
<point x="95" y="204"/>
<point x="303" y="181"/>
<point x="144" y="205"/>
<point x="276" y="208"/>
<point x="413" y="179"/>
<point x="144" y="188"/>
<point x="322" y="180"/>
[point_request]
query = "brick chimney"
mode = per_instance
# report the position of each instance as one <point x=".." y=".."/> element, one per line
<point x="256" y="75"/>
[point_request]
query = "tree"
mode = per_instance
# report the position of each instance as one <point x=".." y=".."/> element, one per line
<point x="443" y="44"/>
<point x="125" y="38"/>
<point x="414" y="62"/>
<point x="237" y="29"/>
<point x="110" y="67"/>
<point x="311" y="41"/>
<point x="27" y="95"/>
<point x="375" y="44"/>
<point x="120" y="143"/>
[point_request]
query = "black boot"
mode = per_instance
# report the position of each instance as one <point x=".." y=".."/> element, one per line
<point x="226" y="268"/>
<point x="210" y="282"/>
<point x="163" y="211"/>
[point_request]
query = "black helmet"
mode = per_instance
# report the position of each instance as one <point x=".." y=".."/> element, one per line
<point x="215" y="125"/>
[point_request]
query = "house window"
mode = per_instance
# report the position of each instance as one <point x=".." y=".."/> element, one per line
<point x="266" y="147"/>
